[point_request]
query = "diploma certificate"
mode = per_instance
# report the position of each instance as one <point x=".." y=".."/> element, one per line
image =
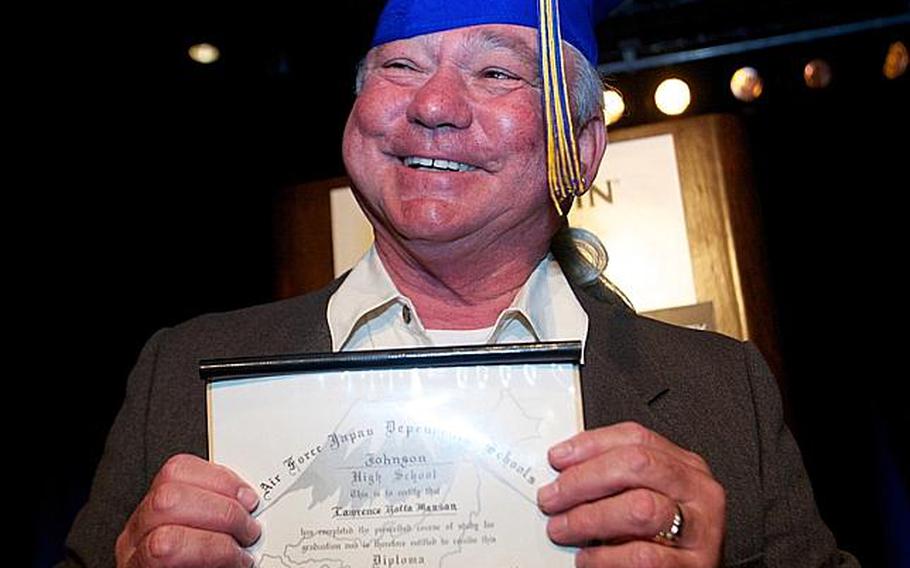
<point x="426" y="457"/>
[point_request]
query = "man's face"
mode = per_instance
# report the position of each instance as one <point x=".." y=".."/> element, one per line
<point x="446" y="138"/>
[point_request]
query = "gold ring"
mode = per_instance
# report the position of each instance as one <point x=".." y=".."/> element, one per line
<point x="671" y="535"/>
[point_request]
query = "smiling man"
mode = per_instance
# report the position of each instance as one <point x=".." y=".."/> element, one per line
<point x="465" y="157"/>
<point x="446" y="150"/>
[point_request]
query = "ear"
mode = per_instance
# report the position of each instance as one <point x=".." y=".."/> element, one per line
<point x="592" y="143"/>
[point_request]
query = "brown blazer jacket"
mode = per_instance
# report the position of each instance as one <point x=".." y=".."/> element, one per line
<point x="706" y="392"/>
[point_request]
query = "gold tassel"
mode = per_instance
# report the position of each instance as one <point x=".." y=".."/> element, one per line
<point x="563" y="165"/>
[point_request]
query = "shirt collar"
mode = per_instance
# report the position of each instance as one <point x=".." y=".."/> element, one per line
<point x="366" y="289"/>
<point x="545" y="303"/>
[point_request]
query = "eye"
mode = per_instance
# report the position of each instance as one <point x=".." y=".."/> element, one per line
<point x="400" y="65"/>
<point x="499" y="75"/>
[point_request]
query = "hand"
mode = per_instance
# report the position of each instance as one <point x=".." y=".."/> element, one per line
<point x="619" y="486"/>
<point x="195" y="513"/>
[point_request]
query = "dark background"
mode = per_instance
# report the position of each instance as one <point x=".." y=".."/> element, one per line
<point x="153" y="178"/>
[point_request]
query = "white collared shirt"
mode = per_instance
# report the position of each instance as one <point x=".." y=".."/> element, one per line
<point x="368" y="312"/>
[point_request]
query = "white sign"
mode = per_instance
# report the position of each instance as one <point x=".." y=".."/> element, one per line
<point x="636" y="210"/>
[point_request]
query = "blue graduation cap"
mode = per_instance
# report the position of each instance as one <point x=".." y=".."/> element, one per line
<point x="555" y="20"/>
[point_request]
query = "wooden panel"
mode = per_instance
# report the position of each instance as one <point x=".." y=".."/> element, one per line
<point x="722" y="223"/>
<point x="303" y="237"/>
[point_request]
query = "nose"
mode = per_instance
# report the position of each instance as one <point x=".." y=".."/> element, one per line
<point x="441" y="101"/>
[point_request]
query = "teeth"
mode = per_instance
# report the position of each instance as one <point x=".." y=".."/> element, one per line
<point x="412" y="161"/>
<point x="446" y="165"/>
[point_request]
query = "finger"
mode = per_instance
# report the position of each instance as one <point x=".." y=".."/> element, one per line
<point x="193" y="470"/>
<point x="188" y="505"/>
<point x="176" y="546"/>
<point x="635" y="514"/>
<point x="589" y="443"/>
<point x="638" y="553"/>
<point x="620" y="469"/>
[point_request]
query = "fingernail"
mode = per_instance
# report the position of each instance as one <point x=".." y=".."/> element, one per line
<point x="557" y="525"/>
<point x="561" y="451"/>
<point x="247" y="498"/>
<point x="248" y="559"/>
<point x="547" y="493"/>
<point x="255" y="528"/>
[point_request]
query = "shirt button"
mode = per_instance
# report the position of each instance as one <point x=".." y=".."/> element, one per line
<point x="406" y="315"/>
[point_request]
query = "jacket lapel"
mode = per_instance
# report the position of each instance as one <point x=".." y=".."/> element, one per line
<point x="621" y="380"/>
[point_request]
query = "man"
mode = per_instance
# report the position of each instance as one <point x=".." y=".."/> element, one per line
<point x="465" y="176"/>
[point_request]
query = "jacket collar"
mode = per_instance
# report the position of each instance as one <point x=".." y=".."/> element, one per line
<point x="622" y="380"/>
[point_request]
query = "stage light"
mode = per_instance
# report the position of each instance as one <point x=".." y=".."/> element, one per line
<point x="614" y="106"/>
<point x="746" y="84"/>
<point x="204" y="53"/>
<point x="673" y="96"/>
<point x="817" y="74"/>
<point x="896" y="60"/>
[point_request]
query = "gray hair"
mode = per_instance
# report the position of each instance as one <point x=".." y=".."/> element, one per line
<point x="580" y="253"/>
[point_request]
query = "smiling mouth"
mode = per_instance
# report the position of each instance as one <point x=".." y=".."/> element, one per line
<point x="436" y="164"/>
